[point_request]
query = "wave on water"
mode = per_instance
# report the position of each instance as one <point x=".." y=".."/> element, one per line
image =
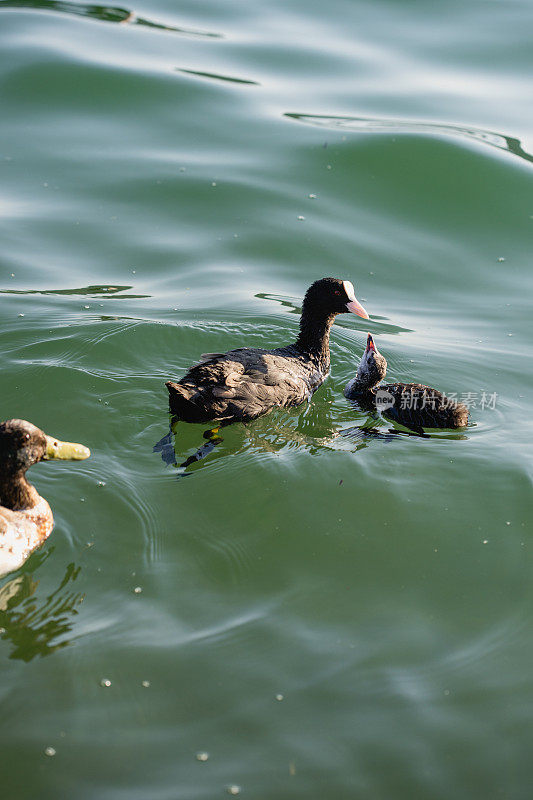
<point x="99" y="291"/>
<point x="379" y="125"/>
<point x="214" y="76"/>
<point x="103" y="14"/>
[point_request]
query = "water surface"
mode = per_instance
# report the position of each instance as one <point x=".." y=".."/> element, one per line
<point x="323" y="612"/>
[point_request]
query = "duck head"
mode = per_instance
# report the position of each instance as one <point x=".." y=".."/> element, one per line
<point x="372" y="368"/>
<point x="23" y="444"/>
<point x="333" y="296"/>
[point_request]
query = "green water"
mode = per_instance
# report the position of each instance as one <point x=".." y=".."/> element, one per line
<point x="325" y="615"/>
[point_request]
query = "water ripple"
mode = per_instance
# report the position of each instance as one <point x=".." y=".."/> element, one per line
<point x="214" y="76"/>
<point x="91" y="291"/>
<point x="38" y="626"/>
<point x="379" y="125"/>
<point x="102" y="14"/>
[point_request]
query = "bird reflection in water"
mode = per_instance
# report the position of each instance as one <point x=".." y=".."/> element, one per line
<point x="312" y="429"/>
<point x="37" y="627"/>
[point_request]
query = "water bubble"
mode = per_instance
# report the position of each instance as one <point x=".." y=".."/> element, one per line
<point x="485" y="541"/>
<point x="100" y="483"/>
<point x="312" y="196"/>
<point x="234" y="789"/>
<point x="105" y="682"/>
<point x="21" y="315"/>
<point x="279" y="697"/>
<point x="301" y="218"/>
<point x="213" y="183"/>
<point x="138" y="589"/>
<point x="145" y="684"/>
<point x="49" y="751"/>
<point x="202" y="756"/>
<point x="501" y="258"/>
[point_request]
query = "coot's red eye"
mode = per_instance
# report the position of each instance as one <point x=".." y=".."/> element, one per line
<point x="337" y="291"/>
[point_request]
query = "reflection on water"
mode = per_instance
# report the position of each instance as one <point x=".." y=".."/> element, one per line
<point x="376" y="125"/>
<point x="284" y="301"/>
<point x="214" y="76"/>
<point x="99" y="291"/>
<point x="34" y="626"/>
<point x="101" y="13"/>
<point x="311" y="427"/>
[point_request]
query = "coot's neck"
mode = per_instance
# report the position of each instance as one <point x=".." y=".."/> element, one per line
<point x="313" y="339"/>
<point x="15" y="491"/>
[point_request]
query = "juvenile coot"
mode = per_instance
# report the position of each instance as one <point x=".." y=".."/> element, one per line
<point x="26" y="519"/>
<point x="411" y="404"/>
<point x="243" y="384"/>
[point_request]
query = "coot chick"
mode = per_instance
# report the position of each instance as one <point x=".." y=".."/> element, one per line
<point x="245" y="383"/>
<point x="26" y="519"/>
<point x="411" y="404"/>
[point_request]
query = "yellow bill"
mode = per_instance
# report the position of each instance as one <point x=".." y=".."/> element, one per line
<point x="68" y="451"/>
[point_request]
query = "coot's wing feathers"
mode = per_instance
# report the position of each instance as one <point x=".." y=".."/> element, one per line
<point x="245" y="383"/>
<point x="416" y="405"/>
<point x="205" y="358"/>
<point x="216" y="368"/>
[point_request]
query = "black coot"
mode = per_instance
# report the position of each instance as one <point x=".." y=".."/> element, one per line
<point x="243" y="384"/>
<point x="411" y="404"/>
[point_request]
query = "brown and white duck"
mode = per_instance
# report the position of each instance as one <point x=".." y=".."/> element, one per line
<point x="245" y="383"/>
<point x="26" y="519"/>
<point x="413" y="405"/>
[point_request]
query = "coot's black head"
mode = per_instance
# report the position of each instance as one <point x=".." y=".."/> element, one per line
<point x="373" y="366"/>
<point x="23" y="444"/>
<point x="333" y="296"/>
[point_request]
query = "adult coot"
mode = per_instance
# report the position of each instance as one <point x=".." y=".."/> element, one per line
<point x="243" y="384"/>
